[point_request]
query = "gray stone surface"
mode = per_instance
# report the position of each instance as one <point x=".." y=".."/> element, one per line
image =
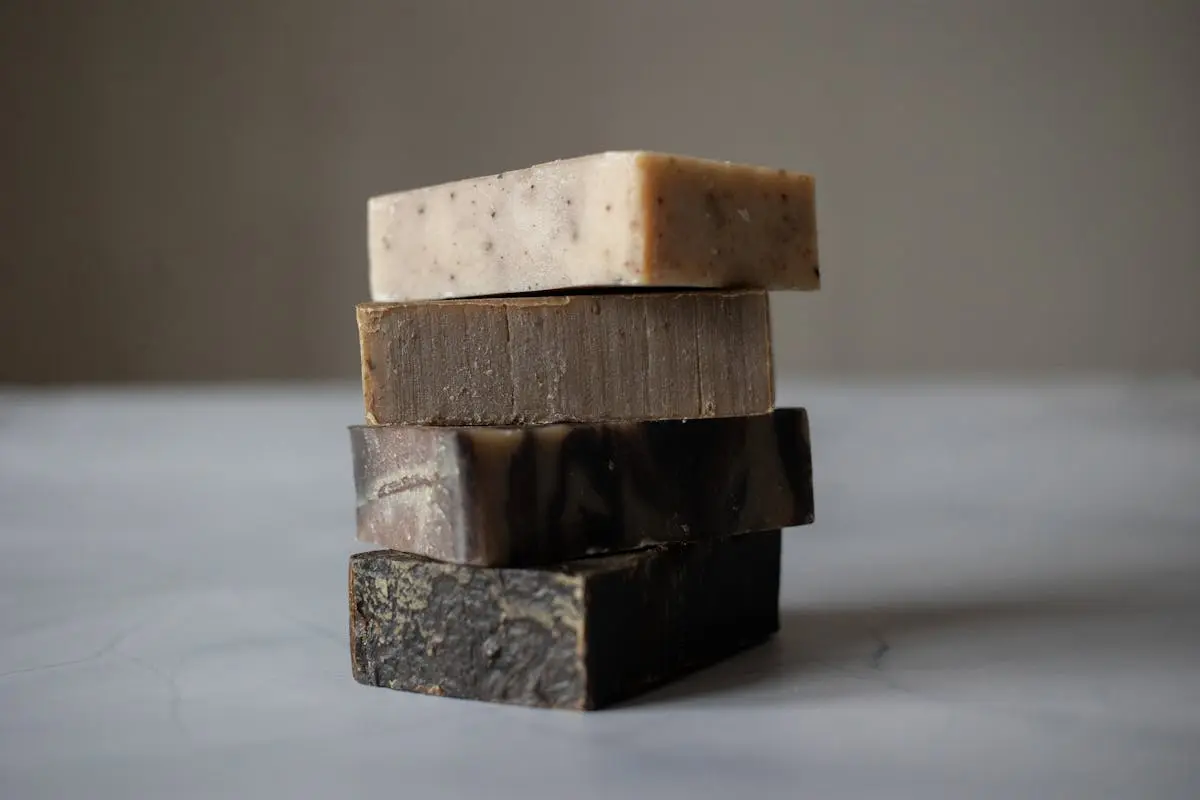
<point x="998" y="599"/>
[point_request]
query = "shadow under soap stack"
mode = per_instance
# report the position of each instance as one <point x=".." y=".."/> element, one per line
<point x="572" y="457"/>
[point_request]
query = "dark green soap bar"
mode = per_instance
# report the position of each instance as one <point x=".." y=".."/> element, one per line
<point x="581" y="635"/>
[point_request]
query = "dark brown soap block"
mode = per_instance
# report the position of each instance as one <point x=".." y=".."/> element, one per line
<point x="547" y="493"/>
<point x="582" y="635"/>
<point x="574" y="358"/>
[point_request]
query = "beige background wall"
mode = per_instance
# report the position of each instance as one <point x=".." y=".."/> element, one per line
<point x="1002" y="185"/>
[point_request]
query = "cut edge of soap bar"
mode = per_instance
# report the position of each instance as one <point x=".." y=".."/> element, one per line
<point x="602" y="357"/>
<point x="580" y="635"/>
<point x="618" y="218"/>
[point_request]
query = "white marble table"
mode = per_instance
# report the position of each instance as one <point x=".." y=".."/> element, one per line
<point x="999" y="599"/>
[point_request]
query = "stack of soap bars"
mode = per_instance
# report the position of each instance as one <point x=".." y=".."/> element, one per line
<point x="572" y="457"/>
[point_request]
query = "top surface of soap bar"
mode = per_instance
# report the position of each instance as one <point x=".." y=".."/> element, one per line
<point x="612" y="219"/>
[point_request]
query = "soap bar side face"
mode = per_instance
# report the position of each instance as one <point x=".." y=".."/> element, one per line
<point x="414" y="492"/>
<point x="430" y="363"/>
<point x="716" y="224"/>
<point x="543" y="494"/>
<point x="724" y="365"/>
<point x="580" y="635"/>
<point x="605" y="220"/>
<point x="575" y="222"/>
<point x="441" y="629"/>
<point x="574" y="358"/>
<point x="696" y="604"/>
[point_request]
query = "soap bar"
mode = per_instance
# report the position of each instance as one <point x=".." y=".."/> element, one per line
<point x="548" y="493"/>
<point x="579" y="635"/>
<point x="612" y="219"/>
<point x="534" y="360"/>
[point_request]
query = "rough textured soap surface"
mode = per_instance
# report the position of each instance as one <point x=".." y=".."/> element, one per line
<point x="547" y="493"/>
<point x="579" y="635"/>
<point x="612" y="219"/>
<point x="533" y="360"/>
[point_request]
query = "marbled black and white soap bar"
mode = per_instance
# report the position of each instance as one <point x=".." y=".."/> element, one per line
<point x="578" y="635"/>
<point x="541" y="494"/>
<point x="611" y="219"/>
<point x="570" y="358"/>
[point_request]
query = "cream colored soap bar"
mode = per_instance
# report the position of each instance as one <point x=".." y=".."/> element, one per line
<point x="613" y="219"/>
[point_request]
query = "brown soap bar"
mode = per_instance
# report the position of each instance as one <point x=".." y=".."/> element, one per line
<point x="581" y="635"/>
<point x="546" y="493"/>
<point x="575" y="358"/>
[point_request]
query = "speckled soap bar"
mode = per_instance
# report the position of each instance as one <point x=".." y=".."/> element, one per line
<point x="612" y="219"/>
<point x="579" y="635"/>
<point x="571" y="358"/>
<point x="547" y="493"/>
